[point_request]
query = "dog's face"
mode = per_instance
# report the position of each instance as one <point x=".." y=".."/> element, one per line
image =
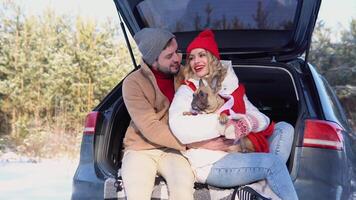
<point x="206" y="98"/>
<point x="200" y="101"/>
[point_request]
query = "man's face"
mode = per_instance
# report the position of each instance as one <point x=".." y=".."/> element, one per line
<point x="169" y="60"/>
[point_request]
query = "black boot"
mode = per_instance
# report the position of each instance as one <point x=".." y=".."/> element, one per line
<point x="247" y="193"/>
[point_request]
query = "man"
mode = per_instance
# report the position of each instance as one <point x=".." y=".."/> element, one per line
<point x="150" y="147"/>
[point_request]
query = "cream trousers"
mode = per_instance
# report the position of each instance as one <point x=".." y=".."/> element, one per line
<point x="139" y="169"/>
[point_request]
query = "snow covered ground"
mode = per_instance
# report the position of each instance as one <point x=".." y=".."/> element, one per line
<point x="23" y="178"/>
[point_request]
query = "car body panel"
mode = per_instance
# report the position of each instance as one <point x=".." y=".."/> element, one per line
<point x="327" y="181"/>
<point x="86" y="184"/>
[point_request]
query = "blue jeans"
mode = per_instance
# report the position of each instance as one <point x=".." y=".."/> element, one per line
<point x="280" y="142"/>
<point x="243" y="168"/>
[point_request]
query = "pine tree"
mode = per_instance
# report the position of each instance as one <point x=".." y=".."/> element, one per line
<point x="53" y="71"/>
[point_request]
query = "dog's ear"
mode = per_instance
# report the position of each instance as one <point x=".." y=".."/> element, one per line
<point x="215" y="83"/>
<point x="201" y="83"/>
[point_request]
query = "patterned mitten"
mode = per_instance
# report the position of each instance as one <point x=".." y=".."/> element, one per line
<point x="236" y="129"/>
<point x="242" y="127"/>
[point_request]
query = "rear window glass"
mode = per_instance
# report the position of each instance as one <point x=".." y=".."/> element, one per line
<point x="193" y="15"/>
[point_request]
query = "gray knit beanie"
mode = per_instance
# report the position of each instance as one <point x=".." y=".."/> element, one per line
<point x="151" y="41"/>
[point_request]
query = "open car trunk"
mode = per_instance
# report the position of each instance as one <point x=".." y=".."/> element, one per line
<point x="253" y="29"/>
<point x="271" y="88"/>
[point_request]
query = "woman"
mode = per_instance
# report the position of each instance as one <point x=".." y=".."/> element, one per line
<point x="219" y="168"/>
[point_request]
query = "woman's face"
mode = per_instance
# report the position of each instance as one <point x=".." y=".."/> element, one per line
<point x="198" y="61"/>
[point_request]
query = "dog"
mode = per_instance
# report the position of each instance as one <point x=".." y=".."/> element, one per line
<point x="207" y="100"/>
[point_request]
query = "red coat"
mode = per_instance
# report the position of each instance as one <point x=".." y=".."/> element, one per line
<point x="258" y="139"/>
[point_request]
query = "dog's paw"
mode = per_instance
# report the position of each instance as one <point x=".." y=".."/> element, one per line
<point x="235" y="148"/>
<point x="187" y="113"/>
<point x="223" y="118"/>
<point x="246" y="145"/>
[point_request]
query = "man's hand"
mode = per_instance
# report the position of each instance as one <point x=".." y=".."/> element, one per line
<point x="219" y="143"/>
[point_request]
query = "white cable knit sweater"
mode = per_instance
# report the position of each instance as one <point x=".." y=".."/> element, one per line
<point x="189" y="129"/>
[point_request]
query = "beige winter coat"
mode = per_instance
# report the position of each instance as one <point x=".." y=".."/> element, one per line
<point x="148" y="108"/>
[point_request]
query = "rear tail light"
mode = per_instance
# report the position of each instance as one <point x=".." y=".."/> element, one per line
<point x="90" y="123"/>
<point x="322" y="134"/>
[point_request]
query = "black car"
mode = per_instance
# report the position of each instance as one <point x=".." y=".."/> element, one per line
<point x="268" y="43"/>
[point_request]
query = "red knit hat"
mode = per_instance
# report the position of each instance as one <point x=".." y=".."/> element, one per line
<point x="205" y="40"/>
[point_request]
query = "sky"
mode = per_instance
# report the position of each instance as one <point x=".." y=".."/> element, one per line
<point x="335" y="14"/>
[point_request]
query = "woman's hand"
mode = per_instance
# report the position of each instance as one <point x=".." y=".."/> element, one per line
<point x="219" y="143"/>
